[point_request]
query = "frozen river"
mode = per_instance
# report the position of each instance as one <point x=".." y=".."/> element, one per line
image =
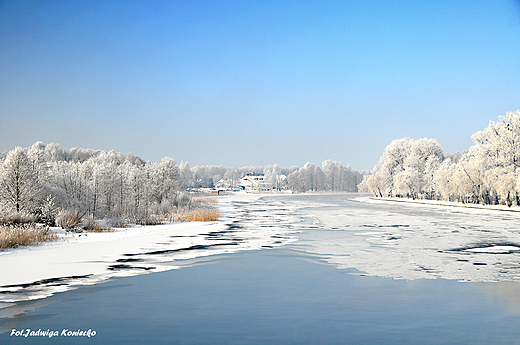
<point x="304" y="269"/>
<point x="410" y="241"/>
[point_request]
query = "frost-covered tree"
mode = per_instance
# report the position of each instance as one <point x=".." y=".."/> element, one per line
<point x="53" y="153"/>
<point x="392" y="161"/>
<point x="444" y="179"/>
<point x="488" y="172"/>
<point x="408" y="183"/>
<point x="138" y="189"/>
<point x="304" y="179"/>
<point x="333" y="172"/>
<point x="165" y="180"/>
<point x="232" y="177"/>
<point x="407" y="167"/>
<point x="373" y="183"/>
<point x="503" y="182"/>
<point x="36" y="154"/>
<point x="44" y="179"/>
<point x="498" y="146"/>
<point x="186" y="175"/>
<point x="105" y="176"/>
<point x="350" y="179"/>
<point x="500" y="140"/>
<point x="68" y="184"/>
<point x="205" y="175"/>
<point x="424" y="158"/>
<point x="19" y="185"/>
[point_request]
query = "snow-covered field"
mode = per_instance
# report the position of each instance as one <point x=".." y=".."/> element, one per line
<point x="37" y="272"/>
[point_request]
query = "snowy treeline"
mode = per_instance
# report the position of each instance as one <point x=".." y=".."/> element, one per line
<point x="331" y="176"/>
<point x="207" y="176"/>
<point x="487" y="173"/>
<point x="44" y="179"/>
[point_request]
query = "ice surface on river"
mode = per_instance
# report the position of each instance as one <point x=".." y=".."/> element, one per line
<point x="410" y="241"/>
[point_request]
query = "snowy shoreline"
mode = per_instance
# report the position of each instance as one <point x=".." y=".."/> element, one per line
<point x="32" y="273"/>
<point x="91" y="257"/>
<point x="450" y="203"/>
<point x="88" y="258"/>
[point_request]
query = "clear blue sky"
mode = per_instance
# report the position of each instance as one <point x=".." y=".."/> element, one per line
<point x="255" y="82"/>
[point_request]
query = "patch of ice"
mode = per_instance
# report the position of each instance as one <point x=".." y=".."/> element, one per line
<point x="410" y="240"/>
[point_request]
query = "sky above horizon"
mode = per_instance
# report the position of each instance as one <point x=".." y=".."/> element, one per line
<point x="239" y="83"/>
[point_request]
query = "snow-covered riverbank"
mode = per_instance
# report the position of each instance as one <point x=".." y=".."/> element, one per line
<point x="452" y="204"/>
<point x="36" y="272"/>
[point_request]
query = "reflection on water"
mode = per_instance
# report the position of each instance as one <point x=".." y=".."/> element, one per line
<point x="506" y="294"/>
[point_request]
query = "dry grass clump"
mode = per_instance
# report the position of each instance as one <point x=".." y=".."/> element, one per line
<point x="99" y="228"/>
<point x="201" y="209"/>
<point x="147" y="220"/>
<point x="17" y="218"/>
<point x="96" y="228"/>
<point x="19" y="229"/>
<point x="92" y="225"/>
<point x="204" y="199"/>
<point x="12" y="236"/>
<point x="198" y="215"/>
<point x="106" y="225"/>
<point x="118" y="222"/>
<point x="68" y="220"/>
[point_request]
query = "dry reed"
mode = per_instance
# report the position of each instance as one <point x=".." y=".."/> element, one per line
<point x="205" y="199"/>
<point x="96" y="227"/>
<point x="16" y="219"/>
<point x="68" y="220"/>
<point x="198" y="215"/>
<point x="24" y="235"/>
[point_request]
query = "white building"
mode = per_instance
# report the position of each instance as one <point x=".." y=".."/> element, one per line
<point x="253" y="181"/>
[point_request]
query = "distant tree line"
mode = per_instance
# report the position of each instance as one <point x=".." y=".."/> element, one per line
<point x="332" y="176"/>
<point x="487" y="173"/>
